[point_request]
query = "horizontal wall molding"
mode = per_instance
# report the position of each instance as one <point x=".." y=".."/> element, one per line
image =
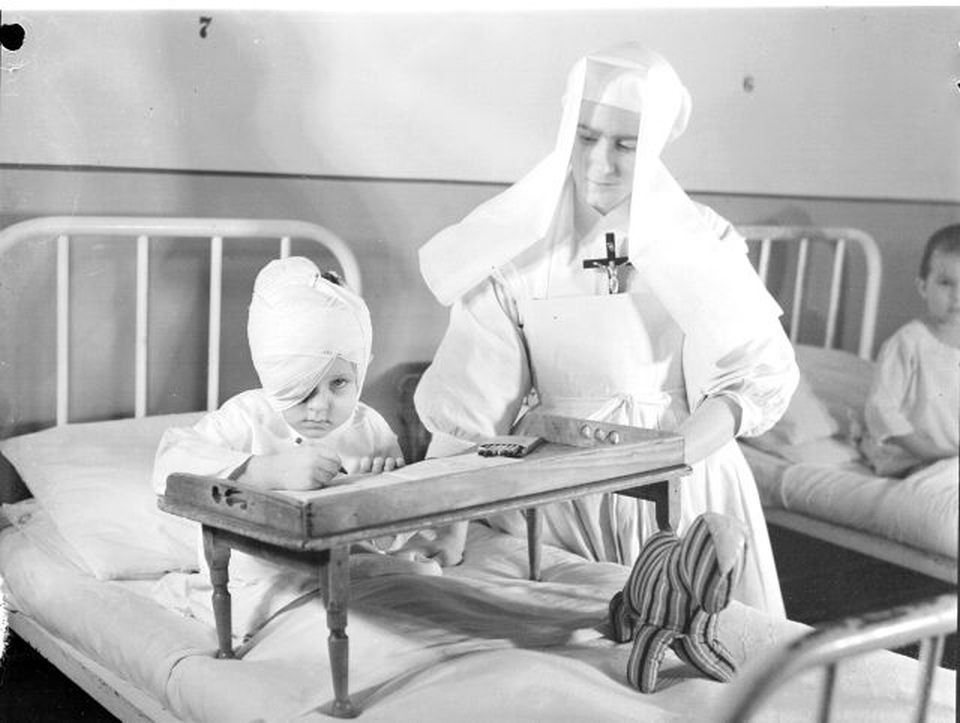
<point x="57" y="168"/>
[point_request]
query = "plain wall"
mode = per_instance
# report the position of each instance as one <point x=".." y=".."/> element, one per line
<point x="839" y="102"/>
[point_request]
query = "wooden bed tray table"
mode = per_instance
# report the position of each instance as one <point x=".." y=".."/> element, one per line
<point x="314" y="530"/>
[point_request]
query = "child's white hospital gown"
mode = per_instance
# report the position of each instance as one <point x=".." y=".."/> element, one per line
<point x="916" y="388"/>
<point x="218" y="445"/>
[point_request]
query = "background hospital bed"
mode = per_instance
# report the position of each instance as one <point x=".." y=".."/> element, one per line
<point x="97" y="646"/>
<point x="810" y="475"/>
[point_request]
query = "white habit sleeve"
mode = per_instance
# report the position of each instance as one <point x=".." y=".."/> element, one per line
<point x="479" y="376"/>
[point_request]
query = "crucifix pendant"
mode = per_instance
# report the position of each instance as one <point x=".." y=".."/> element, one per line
<point x="609" y="263"/>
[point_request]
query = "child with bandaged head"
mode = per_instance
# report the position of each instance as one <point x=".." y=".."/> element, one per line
<point x="913" y="409"/>
<point x="304" y="428"/>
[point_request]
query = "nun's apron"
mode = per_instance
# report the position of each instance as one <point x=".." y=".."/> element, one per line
<point x="616" y="358"/>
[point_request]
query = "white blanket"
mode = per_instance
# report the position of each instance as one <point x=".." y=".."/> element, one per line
<point x="920" y="510"/>
<point x="479" y="643"/>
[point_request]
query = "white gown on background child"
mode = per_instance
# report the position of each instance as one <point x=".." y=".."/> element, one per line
<point x="916" y="388"/>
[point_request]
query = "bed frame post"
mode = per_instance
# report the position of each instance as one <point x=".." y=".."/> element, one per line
<point x="213" y="337"/>
<point x="140" y="351"/>
<point x="931" y="650"/>
<point x="63" y="329"/>
<point x="836" y="281"/>
<point x="796" y="311"/>
<point x="829" y="688"/>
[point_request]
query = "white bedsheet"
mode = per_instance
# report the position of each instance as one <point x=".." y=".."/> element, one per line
<point x="920" y="511"/>
<point x="480" y="643"/>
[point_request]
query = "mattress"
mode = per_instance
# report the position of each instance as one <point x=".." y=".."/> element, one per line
<point x="478" y="643"/>
<point x="920" y="511"/>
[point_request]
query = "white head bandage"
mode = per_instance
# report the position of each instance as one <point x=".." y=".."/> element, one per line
<point x="298" y="324"/>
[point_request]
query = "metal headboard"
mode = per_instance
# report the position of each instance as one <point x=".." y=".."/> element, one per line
<point x="214" y="230"/>
<point x="929" y="622"/>
<point x="840" y="240"/>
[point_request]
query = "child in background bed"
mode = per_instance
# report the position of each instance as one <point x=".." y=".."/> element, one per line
<point x="310" y="340"/>
<point x="913" y="409"/>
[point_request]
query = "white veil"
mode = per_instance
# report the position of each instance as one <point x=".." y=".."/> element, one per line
<point x="708" y="286"/>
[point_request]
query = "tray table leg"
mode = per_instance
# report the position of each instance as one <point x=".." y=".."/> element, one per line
<point x="534" y="524"/>
<point x="666" y="497"/>
<point x="668" y="505"/>
<point x="335" y="580"/>
<point x="217" y="553"/>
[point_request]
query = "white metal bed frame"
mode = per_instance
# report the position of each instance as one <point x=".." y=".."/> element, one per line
<point x="214" y="230"/>
<point x="825" y="647"/>
<point x="840" y="240"/>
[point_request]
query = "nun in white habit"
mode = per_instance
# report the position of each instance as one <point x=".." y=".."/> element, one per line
<point x="596" y="288"/>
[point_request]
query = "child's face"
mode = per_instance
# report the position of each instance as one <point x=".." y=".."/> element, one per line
<point x="330" y="404"/>
<point x="941" y="288"/>
<point x="604" y="153"/>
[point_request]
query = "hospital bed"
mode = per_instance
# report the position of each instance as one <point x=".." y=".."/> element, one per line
<point x="99" y="581"/>
<point x="811" y="476"/>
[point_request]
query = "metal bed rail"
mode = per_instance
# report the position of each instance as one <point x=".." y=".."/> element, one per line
<point x="213" y="230"/>
<point x="840" y="239"/>
<point x="928" y="622"/>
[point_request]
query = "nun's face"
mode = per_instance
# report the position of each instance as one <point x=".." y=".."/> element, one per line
<point x="604" y="153"/>
<point x="329" y="405"/>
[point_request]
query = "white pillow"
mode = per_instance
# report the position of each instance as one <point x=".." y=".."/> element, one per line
<point x="93" y="480"/>
<point x="806" y="419"/>
<point x="841" y="379"/>
<point x="826" y="451"/>
<point x="829" y="399"/>
<point x="29" y="517"/>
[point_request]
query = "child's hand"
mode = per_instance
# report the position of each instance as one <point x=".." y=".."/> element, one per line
<point x="307" y="467"/>
<point x="376" y="465"/>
